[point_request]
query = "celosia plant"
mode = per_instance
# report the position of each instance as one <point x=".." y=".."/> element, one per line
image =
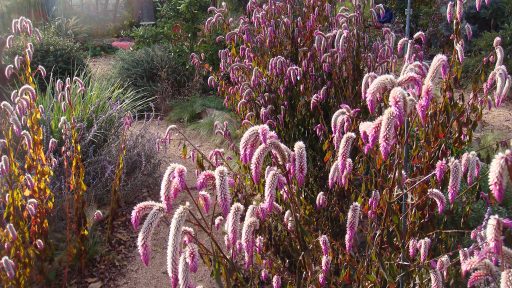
<point x="288" y="71"/>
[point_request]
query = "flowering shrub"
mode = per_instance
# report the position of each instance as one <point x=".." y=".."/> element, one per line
<point x="382" y="210"/>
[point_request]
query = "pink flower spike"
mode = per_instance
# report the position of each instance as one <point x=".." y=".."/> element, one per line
<point x="352" y="223"/>
<point x="300" y="162"/>
<point x="439" y="198"/>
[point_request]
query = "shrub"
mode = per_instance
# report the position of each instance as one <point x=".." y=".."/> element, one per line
<point x="353" y="171"/>
<point x="160" y="71"/>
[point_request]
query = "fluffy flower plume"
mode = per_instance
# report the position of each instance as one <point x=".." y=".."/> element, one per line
<point x="455" y="179"/>
<point x="387" y="136"/>
<point x="142" y="209"/>
<point x="413" y="248"/>
<point x="145" y="234"/>
<point x="324" y="243"/>
<point x="373" y="202"/>
<point x="442" y="265"/>
<point x="506" y="279"/>
<point x="344" y="150"/>
<point x="183" y="272"/>
<point x="321" y="200"/>
<point x="439" y="198"/>
<point x="192" y="256"/>
<point x="271" y="182"/>
<point x="205" y="179"/>
<point x="249" y="142"/>
<point x="493" y="234"/>
<point x="174" y="245"/>
<point x="441" y="168"/>
<point x="8" y="266"/>
<point x="424" y="247"/>
<point x="222" y="188"/>
<point x="289" y="222"/>
<point x="352" y="223"/>
<point x="300" y="162"/>
<point x="233" y="225"/>
<point x="173" y="183"/>
<point x="498" y="174"/>
<point x="205" y="201"/>
<point x="378" y="87"/>
<point x="435" y="279"/>
<point x="449" y="12"/>
<point x="248" y="242"/>
<point x="276" y="281"/>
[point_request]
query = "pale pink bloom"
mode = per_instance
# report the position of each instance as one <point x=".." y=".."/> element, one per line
<point x="459" y="10"/>
<point x="441" y="168"/>
<point x="352" y="223"/>
<point x="378" y="87"/>
<point x="387" y="136"/>
<point x="98" y="216"/>
<point x="145" y="234"/>
<point x="373" y="202"/>
<point x="344" y="151"/>
<point x="449" y="12"/>
<point x="257" y="161"/>
<point x="233" y="225"/>
<point x="439" y="64"/>
<point x="205" y="180"/>
<point x="493" y="233"/>
<point x="276" y="281"/>
<point x="321" y="200"/>
<point x="188" y="235"/>
<point x="218" y="222"/>
<point x="478" y="4"/>
<point x="248" y="144"/>
<point x="424" y="247"/>
<point x="324" y="243"/>
<point x="8" y="267"/>
<point x="12" y="232"/>
<point x="165" y="187"/>
<point x="498" y="173"/>
<point x="435" y="279"/>
<point x="455" y="179"/>
<point x="497" y="42"/>
<point x="460" y="51"/>
<point x="439" y="198"/>
<point x="39" y="244"/>
<point x="248" y="242"/>
<point x="420" y="35"/>
<point x="506" y="279"/>
<point x="264" y="275"/>
<point x="222" y="188"/>
<point x="442" y="265"/>
<point x="289" y="222"/>
<point x="142" y="209"/>
<point x="334" y="174"/>
<point x="205" y="201"/>
<point x="183" y="272"/>
<point x="270" y="190"/>
<point x="469" y="31"/>
<point x="174" y="245"/>
<point x="413" y="248"/>
<point x="192" y="256"/>
<point x="300" y="162"/>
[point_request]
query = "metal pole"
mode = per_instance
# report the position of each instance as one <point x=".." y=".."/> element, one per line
<point x="406" y="159"/>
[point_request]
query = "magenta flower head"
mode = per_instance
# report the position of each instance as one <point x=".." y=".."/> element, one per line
<point x="205" y="179"/>
<point x="192" y="257"/>
<point x="98" y="216"/>
<point x="459" y="10"/>
<point x="413" y="248"/>
<point x="498" y="172"/>
<point x="222" y="188"/>
<point x="352" y="223"/>
<point x="424" y="247"/>
<point x="435" y="279"/>
<point x="439" y="198"/>
<point x="321" y="200"/>
<point x="174" y="244"/>
<point x="276" y="281"/>
<point x="248" y="144"/>
<point x="493" y="234"/>
<point x="233" y="224"/>
<point x="441" y="168"/>
<point x="205" y="201"/>
<point x="145" y="234"/>
<point x="324" y="243"/>
<point x="218" y="222"/>
<point x="300" y="162"/>
<point x="455" y="179"/>
<point x="248" y="242"/>
<point x="8" y="265"/>
<point x="142" y="209"/>
<point x="387" y="136"/>
<point x="271" y="182"/>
